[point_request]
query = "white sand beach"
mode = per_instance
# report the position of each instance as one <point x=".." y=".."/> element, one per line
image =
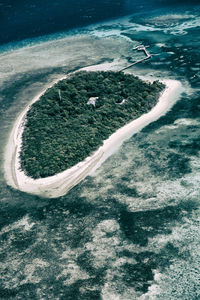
<point x="60" y="184"/>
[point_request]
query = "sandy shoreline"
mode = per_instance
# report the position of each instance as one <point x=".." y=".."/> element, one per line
<point x="60" y="184"/>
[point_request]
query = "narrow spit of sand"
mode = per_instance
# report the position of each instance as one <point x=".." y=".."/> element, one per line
<point x="60" y="184"/>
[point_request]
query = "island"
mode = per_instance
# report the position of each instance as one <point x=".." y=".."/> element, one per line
<point x="71" y="127"/>
<point x="73" y="118"/>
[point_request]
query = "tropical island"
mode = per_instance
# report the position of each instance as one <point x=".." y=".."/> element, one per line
<point x="118" y="120"/>
<point x="73" y="118"/>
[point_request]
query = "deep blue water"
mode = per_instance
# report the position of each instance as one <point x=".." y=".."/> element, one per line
<point x="22" y="19"/>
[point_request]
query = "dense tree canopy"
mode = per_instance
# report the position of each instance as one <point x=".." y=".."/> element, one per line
<point x="62" y="128"/>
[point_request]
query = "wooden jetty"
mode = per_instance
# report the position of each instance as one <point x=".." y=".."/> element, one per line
<point x="139" y="48"/>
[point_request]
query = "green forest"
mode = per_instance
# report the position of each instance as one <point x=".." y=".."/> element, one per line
<point x="72" y="118"/>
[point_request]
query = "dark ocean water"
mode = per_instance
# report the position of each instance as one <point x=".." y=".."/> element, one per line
<point x="131" y="231"/>
<point x="22" y="19"/>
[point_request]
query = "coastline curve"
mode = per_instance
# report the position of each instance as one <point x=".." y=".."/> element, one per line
<point x="59" y="184"/>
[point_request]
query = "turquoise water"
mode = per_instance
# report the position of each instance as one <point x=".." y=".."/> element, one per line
<point x="132" y="230"/>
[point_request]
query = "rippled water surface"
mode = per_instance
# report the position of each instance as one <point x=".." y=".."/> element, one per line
<point x="132" y="230"/>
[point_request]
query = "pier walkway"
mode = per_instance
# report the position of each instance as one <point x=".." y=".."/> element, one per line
<point x="139" y="48"/>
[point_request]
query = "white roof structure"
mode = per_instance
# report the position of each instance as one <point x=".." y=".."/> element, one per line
<point x="92" y="100"/>
<point x="123" y="101"/>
